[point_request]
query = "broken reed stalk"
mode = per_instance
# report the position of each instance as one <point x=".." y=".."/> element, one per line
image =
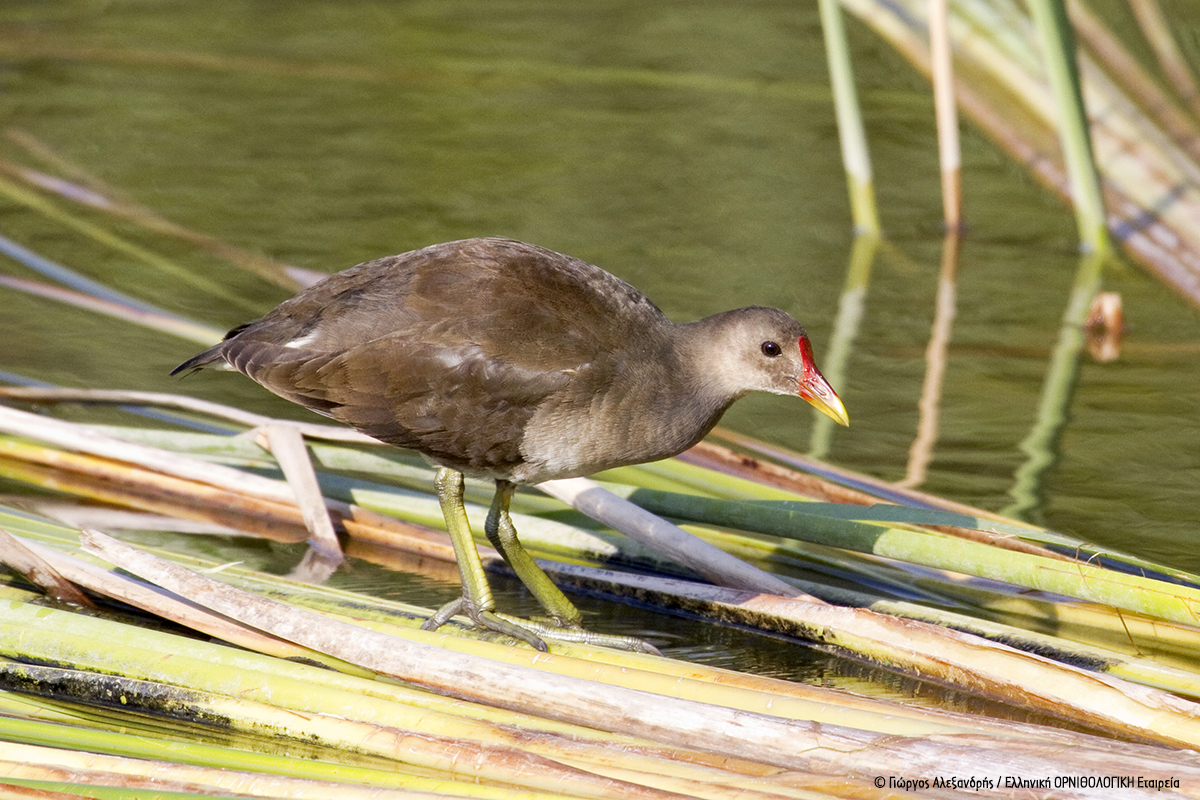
<point x="655" y="532"/>
<point x="287" y="444"/>
<point x="25" y="561"/>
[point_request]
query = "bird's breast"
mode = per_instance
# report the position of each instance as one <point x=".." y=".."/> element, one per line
<point x="579" y="432"/>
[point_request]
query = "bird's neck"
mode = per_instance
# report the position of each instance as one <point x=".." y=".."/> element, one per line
<point x="705" y="358"/>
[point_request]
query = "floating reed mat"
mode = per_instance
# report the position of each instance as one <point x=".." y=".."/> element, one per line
<point x="715" y="719"/>
<point x="587" y="723"/>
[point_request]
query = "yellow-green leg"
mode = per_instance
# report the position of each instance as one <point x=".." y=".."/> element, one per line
<point x="503" y="535"/>
<point x="476" y="601"/>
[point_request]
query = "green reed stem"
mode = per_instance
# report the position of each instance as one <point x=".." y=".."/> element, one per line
<point x="1058" y="47"/>
<point x="855" y="155"/>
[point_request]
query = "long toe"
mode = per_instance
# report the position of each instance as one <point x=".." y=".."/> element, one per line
<point x="486" y="620"/>
<point x="576" y="634"/>
<point x="533" y="632"/>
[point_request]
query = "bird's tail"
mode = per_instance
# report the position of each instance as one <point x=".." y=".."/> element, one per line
<point x="214" y="353"/>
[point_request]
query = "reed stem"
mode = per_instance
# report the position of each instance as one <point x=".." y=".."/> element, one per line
<point x="855" y="154"/>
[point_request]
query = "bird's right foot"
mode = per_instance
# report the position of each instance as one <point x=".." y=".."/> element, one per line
<point x="533" y="632"/>
<point x="580" y="635"/>
<point x="483" y="618"/>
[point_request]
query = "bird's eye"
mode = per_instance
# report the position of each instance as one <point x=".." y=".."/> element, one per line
<point x="771" y="349"/>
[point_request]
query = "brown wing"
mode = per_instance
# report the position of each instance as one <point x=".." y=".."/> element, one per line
<point x="448" y="350"/>
<point x="457" y="405"/>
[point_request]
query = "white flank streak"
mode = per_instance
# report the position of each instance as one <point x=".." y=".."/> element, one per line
<point x="303" y="341"/>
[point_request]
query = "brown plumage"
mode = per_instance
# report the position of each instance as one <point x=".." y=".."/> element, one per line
<point x="504" y="360"/>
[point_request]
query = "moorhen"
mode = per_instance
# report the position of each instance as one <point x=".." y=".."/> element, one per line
<point x="504" y="360"/>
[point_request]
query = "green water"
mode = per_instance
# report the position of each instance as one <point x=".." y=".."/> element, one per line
<point x="688" y="147"/>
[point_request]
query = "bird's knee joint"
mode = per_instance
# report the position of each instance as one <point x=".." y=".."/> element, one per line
<point x="447" y="478"/>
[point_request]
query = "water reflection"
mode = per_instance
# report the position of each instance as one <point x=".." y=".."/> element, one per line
<point x="851" y="308"/>
<point x="922" y="451"/>
<point x="1042" y="444"/>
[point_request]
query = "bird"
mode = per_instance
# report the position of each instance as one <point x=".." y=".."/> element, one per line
<point x="503" y="360"/>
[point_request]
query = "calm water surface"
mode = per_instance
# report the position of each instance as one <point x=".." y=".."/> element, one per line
<point x="688" y="147"/>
